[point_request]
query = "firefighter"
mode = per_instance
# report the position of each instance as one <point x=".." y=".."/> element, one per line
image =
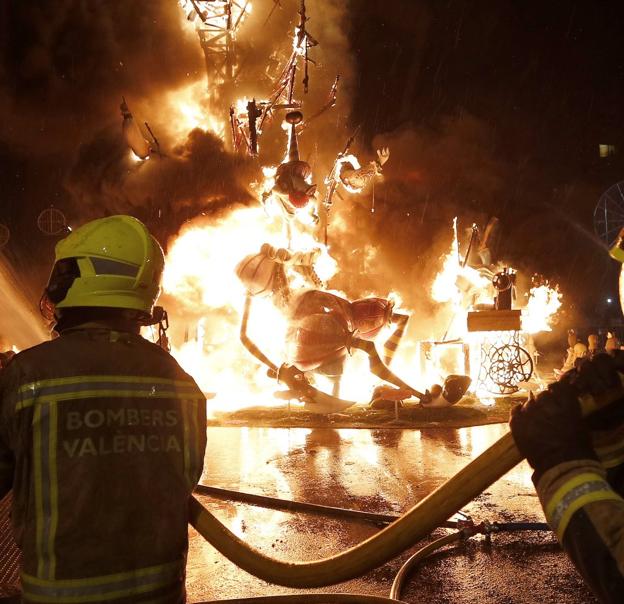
<point x="579" y="470"/>
<point x="102" y="434"/>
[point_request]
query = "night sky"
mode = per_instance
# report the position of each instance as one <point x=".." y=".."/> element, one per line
<point x="490" y="108"/>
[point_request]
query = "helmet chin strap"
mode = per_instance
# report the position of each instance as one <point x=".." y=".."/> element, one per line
<point x="160" y="317"/>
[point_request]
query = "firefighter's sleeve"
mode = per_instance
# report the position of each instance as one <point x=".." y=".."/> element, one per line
<point x="587" y="515"/>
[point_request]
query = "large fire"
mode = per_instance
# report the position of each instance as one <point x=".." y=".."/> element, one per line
<point x="206" y="298"/>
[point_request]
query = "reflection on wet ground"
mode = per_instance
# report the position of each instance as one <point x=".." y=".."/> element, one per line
<point x="381" y="471"/>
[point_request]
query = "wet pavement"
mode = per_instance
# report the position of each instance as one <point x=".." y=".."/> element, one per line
<point x="375" y="470"/>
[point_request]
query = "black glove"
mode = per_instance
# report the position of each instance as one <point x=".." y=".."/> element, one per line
<point x="597" y="376"/>
<point x="550" y="430"/>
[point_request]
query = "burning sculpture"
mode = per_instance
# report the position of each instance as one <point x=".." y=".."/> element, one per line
<point x="217" y="22"/>
<point x="274" y="276"/>
<point x="323" y="330"/>
<point x="503" y="363"/>
<point x="323" y="327"/>
<point x="248" y="118"/>
<point x="491" y="334"/>
<point x="293" y="186"/>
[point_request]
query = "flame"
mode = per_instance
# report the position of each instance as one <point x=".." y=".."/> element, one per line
<point x="208" y="300"/>
<point x="135" y="159"/>
<point x="188" y="108"/>
<point x="542" y="306"/>
<point x="201" y="263"/>
<point x="460" y="288"/>
<point x="200" y="275"/>
<point x="208" y="297"/>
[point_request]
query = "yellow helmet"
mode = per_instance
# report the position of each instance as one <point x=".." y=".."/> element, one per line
<point x="111" y="262"/>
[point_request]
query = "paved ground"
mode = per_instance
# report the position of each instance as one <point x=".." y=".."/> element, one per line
<point x="376" y="470"/>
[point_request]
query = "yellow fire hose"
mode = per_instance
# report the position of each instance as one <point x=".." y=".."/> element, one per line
<point x="415" y="524"/>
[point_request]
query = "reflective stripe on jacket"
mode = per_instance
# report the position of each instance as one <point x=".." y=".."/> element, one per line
<point x="584" y="506"/>
<point x="102" y="438"/>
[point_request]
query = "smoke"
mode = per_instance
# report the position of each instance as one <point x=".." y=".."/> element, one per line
<point x="196" y="176"/>
<point x="83" y="57"/>
<point x="66" y="63"/>
<point x="393" y="236"/>
<point x="405" y="220"/>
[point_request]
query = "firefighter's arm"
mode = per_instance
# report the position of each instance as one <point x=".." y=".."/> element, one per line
<point x="587" y="515"/>
<point x="583" y="508"/>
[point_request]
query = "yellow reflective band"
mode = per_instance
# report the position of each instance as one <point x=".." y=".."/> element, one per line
<point x="108" y="587"/>
<point x="606" y="449"/>
<point x="38" y="489"/>
<point x="112" y="595"/>
<point x="67" y="396"/>
<point x="580" y="502"/>
<point x="62" y="388"/>
<point x="187" y="441"/>
<point x="103" y="579"/>
<point x="612" y="459"/>
<point x="53" y="488"/>
<point x="568" y="486"/>
<point x="44" y="438"/>
<point x="81" y="379"/>
<point x="614" y="462"/>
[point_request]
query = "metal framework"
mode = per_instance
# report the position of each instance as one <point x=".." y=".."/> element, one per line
<point x="504" y="363"/>
<point x="217" y="22"/>
<point x="247" y="124"/>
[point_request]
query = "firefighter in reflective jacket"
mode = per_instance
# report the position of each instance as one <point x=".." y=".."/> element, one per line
<point x="102" y="434"/>
<point x="579" y="470"/>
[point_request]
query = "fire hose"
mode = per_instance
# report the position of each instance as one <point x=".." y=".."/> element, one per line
<point x="467" y="529"/>
<point x="329" y="510"/>
<point x="421" y="554"/>
<point x="415" y="524"/>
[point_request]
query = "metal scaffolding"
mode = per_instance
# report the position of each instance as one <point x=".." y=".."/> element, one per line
<point x="217" y="22"/>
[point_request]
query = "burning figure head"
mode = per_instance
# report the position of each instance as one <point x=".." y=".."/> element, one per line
<point x="293" y="179"/>
<point x="292" y="184"/>
<point x="269" y="272"/>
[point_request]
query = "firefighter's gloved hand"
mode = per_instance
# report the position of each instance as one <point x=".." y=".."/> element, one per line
<point x="596" y="377"/>
<point x="550" y="430"/>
